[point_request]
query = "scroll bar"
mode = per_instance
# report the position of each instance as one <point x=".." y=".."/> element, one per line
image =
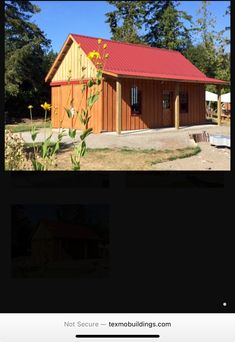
<point x="117" y="336"/>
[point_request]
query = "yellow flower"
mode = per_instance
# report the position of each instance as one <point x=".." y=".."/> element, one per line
<point x="46" y="106"/>
<point x="105" y="46"/>
<point x="99" y="41"/>
<point x="30" y="107"/>
<point x="93" y="54"/>
<point x="107" y="55"/>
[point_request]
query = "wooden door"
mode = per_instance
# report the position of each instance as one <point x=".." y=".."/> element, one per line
<point x="167" y="108"/>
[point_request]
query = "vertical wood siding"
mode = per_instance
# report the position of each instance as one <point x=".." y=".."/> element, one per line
<point x="109" y="106"/>
<point x="56" y="106"/>
<point x="151" y="104"/>
<point x="103" y="116"/>
<point x="74" y="60"/>
<point x="62" y="98"/>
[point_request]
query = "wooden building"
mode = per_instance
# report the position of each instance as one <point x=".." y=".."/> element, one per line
<point x="142" y="87"/>
<point x="57" y="241"/>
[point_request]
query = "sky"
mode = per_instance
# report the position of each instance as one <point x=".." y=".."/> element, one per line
<point x="59" y="18"/>
<point x="37" y="212"/>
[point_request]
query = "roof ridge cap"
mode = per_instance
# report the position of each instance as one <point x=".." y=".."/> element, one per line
<point x="126" y="43"/>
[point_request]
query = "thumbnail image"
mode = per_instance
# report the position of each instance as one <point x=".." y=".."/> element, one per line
<point x="60" y="241"/>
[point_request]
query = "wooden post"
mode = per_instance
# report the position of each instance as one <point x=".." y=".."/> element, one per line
<point x="219" y="108"/>
<point x="177" y="106"/>
<point x="118" y="107"/>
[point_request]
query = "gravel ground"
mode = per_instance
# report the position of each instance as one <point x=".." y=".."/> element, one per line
<point x="166" y="138"/>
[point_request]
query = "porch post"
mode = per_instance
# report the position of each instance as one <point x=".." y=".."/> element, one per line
<point x="219" y="108"/>
<point x="177" y="106"/>
<point x="118" y="107"/>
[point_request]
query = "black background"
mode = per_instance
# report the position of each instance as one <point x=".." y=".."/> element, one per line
<point x="172" y="247"/>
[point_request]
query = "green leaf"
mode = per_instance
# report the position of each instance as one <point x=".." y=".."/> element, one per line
<point x="81" y="119"/>
<point x="99" y="74"/>
<point x="69" y="113"/>
<point x="87" y="120"/>
<point x="92" y="100"/>
<point x="83" y="148"/>
<point x="90" y="83"/>
<point x="83" y="116"/>
<point x="98" y="82"/>
<point x="37" y="166"/>
<point x="45" y="146"/>
<point x="76" y="167"/>
<point x="85" y="112"/>
<point x="83" y="88"/>
<point x="44" y="150"/>
<point x="34" y="133"/>
<point x="72" y="133"/>
<point x="61" y="135"/>
<point x="75" y="163"/>
<point x="56" y="147"/>
<point x="86" y="133"/>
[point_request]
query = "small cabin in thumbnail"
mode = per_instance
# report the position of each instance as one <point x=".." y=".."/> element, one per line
<point x="55" y="241"/>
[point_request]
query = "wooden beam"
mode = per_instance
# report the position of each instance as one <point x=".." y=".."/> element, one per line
<point x="109" y="73"/>
<point x="165" y="79"/>
<point x="118" y="107"/>
<point x="177" y="106"/>
<point x="219" y="107"/>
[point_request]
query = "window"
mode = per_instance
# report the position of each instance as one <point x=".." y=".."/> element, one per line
<point x="166" y="104"/>
<point x="183" y="103"/>
<point x="135" y="101"/>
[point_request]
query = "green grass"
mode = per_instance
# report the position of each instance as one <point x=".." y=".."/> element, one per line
<point x="179" y="154"/>
<point x="189" y="152"/>
<point x="24" y="127"/>
<point x="104" y="149"/>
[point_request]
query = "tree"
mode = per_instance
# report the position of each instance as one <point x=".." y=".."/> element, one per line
<point x="209" y="53"/>
<point x="203" y="54"/>
<point x="72" y="213"/>
<point x="21" y="229"/>
<point x="25" y="47"/>
<point x="165" y="27"/>
<point x="206" y="23"/>
<point x="126" y="20"/>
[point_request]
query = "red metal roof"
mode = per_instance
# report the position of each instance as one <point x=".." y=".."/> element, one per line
<point x="66" y="230"/>
<point x="143" y="61"/>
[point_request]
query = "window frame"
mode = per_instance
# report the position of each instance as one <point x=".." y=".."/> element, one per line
<point x="135" y="97"/>
<point x="169" y="95"/>
<point x="184" y="94"/>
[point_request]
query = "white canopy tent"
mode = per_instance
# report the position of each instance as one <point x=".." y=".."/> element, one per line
<point x="226" y="98"/>
<point x="211" y="97"/>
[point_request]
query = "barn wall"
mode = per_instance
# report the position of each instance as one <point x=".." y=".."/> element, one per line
<point x="62" y="96"/>
<point x="109" y="106"/>
<point x="151" y="100"/>
<point x="197" y="112"/>
<point x="74" y="60"/>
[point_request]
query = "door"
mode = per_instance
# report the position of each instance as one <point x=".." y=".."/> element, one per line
<point x="167" y="108"/>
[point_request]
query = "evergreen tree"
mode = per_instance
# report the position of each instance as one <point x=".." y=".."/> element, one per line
<point x="126" y="20"/>
<point x="209" y="54"/>
<point x="164" y="25"/>
<point x="20" y="233"/>
<point x="203" y="55"/>
<point x="72" y="213"/>
<point x="26" y="49"/>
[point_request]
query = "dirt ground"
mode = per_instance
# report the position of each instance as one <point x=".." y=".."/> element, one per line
<point x="210" y="158"/>
<point x="125" y="159"/>
<point x="153" y="150"/>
